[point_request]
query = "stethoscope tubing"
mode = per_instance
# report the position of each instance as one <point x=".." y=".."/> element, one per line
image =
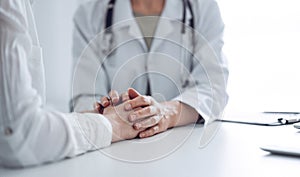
<point x="186" y="5"/>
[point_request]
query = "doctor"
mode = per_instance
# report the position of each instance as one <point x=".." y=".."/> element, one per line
<point x="29" y="134"/>
<point x="169" y="50"/>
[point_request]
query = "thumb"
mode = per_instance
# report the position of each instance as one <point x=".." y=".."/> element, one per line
<point x="133" y="93"/>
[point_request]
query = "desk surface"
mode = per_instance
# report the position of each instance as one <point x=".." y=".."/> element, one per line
<point x="233" y="152"/>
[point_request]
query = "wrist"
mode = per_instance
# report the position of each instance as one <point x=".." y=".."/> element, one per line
<point x="115" y="127"/>
<point x="172" y="112"/>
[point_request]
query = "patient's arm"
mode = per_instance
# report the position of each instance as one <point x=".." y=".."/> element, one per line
<point x="113" y="108"/>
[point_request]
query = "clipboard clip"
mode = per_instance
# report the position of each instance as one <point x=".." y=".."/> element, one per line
<point x="284" y="121"/>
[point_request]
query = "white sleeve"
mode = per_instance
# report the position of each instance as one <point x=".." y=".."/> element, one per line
<point x="206" y="88"/>
<point x="30" y="135"/>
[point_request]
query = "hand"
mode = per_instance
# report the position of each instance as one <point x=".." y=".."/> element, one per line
<point x="122" y="128"/>
<point x="154" y="117"/>
<point x="114" y="98"/>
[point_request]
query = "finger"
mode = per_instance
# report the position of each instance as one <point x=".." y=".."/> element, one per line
<point x="150" y="122"/>
<point x="125" y="97"/>
<point x="150" y="132"/>
<point x="138" y="102"/>
<point x="105" y="101"/>
<point x="133" y="93"/>
<point x="98" y="108"/>
<point x="96" y="105"/>
<point x="114" y="96"/>
<point x="143" y="113"/>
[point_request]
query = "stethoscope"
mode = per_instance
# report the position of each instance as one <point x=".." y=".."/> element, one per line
<point x="107" y="42"/>
<point x="108" y="34"/>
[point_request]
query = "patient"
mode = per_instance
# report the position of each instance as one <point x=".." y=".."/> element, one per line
<point x="29" y="133"/>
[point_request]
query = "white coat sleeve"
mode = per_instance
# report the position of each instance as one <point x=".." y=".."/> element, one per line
<point x="30" y="135"/>
<point x="206" y="85"/>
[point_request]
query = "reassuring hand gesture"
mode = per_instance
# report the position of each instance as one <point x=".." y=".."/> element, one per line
<point x="122" y="128"/>
<point x="151" y="117"/>
<point x="148" y="116"/>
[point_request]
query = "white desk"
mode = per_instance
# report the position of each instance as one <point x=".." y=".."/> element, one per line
<point x="234" y="152"/>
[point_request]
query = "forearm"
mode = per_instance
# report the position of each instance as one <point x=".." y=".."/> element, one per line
<point x="67" y="134"/>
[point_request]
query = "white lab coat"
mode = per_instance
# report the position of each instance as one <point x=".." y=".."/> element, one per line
<point x="29" y="134"/>
<point x="199" y="82"/>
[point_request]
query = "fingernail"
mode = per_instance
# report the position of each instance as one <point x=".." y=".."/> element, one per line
<point x="132" y="117"/>
<point x="128" y="107"/>
<point x="105" y="103"/>
<point x="142" y="135"/>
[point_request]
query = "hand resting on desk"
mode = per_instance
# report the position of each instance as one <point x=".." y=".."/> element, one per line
<point x="148" y="116"/>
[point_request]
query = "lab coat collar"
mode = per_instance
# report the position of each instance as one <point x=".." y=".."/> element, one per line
<point x="173" y="12"/>
<point x="124" y="18"/>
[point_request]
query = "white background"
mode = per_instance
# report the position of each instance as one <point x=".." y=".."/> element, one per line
<point x="55" y="25"/>
<point x="262" y="44"/>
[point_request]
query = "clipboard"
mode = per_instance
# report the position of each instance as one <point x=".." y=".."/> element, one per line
<point x="262" y="118"/>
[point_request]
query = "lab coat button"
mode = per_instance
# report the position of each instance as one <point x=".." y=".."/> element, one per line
<point x="8" y="131"/>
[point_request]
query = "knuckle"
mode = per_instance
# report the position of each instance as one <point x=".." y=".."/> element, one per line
<point x="128" y="105"/>
<point x="147" y="110"/>
<point x="145" y="99"/>
<point x="153" y="110"/>
<point x="151" y="122"/>
<point x="147" y="133"/>
<point x="129" y="102"/>
<point x="132" y="103"/>
<point x="140" y="112"/>
<point x="150" y="99"/>
<point x="154" y="120"/>
<point x="155" y="130"/>
<point x="151" y="131"/>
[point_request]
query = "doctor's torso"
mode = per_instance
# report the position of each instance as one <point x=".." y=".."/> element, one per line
<point x="127" y="62"/>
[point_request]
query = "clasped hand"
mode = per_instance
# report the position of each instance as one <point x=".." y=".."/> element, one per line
<point x="146" y="116"/>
